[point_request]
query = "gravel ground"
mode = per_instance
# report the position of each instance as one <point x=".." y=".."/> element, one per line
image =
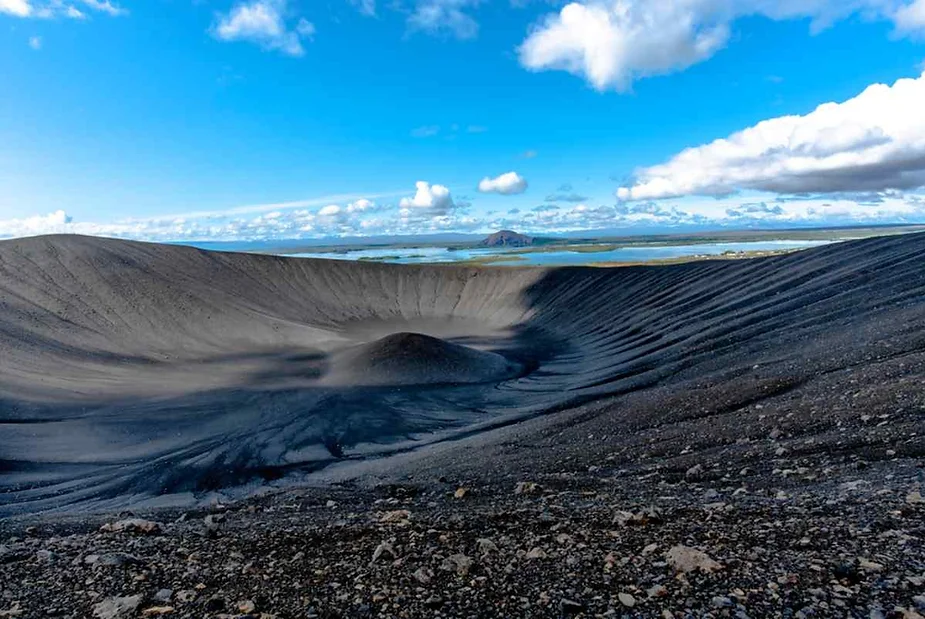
<point x="846" y="540"/>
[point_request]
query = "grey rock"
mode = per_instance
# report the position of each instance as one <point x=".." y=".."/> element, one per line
<point x="694" y="472"/>
<point x="686" y="559"/>
<point x="423" y="575"/>
<point x="116" y="559"/>
<point x="133" y="525"/>
<point x="721" y="601"/>
<point x="459" y="563"/>
<point x="382" y="549"/>
<point x="46" y="555"/>
<point x="486" y="546"/>
<point x="117" y="607"/>
<point x="163" y="595"/>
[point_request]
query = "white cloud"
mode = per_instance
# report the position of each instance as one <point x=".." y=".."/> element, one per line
<point x="728" y="212"/>
<point x="51" y="9"/>
<point x="18" y="8"/>
<point x="35" y="43"/>
<point x="38" y="224"/>
<point x="507" y="184"/>
<point x="314" y="217"/>
<point x="331" y="210"/>
<point x="278" y="206"/>
<point x="911" y="18"/>
<point x="361" y="206"/>
<point x="363" y="218"/>
<point x="873" y="142"/>
<point x="105" y="6"/>
<point x="428" y="201"/>
<point x="611" y="43"/>
<point x="264" y="22"/>
<point x="444" y="17"/>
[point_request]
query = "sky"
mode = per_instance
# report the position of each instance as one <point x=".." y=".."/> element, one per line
<point x="271" y="119"/>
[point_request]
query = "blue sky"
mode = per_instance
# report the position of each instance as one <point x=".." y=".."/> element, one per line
<point x="188" y="119"/>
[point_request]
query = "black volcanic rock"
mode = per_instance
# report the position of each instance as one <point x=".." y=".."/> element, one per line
<point x="507" y="238"/>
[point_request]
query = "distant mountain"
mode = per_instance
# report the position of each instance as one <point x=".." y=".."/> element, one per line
<point x="507" y="238"/>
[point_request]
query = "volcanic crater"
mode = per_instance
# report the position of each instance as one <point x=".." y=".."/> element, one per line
<point x="130" y="371"/>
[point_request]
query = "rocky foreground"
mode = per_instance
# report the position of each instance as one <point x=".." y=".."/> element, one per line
<point x="846" y="540"/>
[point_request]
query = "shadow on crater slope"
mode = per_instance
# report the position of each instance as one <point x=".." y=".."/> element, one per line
<point x="130" y="370"/>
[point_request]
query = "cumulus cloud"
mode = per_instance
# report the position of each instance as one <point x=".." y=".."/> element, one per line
<point x="264" y="22"/>
<point x="331" y="210"/>
<point x="444" y="17"/>
<point x="35" y="43"/>
<point x="350" y="218"/>
<point x="362" y="206"/>
<point x="38" y="224"/>
<point x="873" y="142"/>
<point x="17" y="8"/>
<point x="507" y="184"/>
<point x="611" y="43"/>
<point x="427" y="201"/>
<point x="50" y="9"/>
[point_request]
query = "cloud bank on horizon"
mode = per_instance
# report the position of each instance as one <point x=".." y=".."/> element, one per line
<point x="854" y="161"/>
<point x="432" y="209"/>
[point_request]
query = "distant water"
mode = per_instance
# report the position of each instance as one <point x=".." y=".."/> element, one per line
<point x="565" y="257"/>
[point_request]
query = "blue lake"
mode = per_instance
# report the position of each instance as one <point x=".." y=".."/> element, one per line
<point x="423" y="255"/>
